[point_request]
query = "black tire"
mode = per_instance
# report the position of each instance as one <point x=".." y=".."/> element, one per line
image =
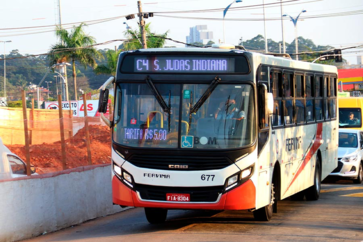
<point x="360" y="175"/>
<point x="265" y="213"/>
<point x="313" y="192"/>
<point x="156" y="215"/>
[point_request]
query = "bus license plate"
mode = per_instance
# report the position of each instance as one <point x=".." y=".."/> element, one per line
<point x="177" y="197"/>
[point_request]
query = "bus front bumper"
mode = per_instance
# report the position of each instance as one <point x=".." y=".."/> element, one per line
<point x="239" y="198"/>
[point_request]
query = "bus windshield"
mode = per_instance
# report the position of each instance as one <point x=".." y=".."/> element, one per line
<point x="225" y="120"/>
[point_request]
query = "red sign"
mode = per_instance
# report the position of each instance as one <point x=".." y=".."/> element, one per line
<point x="133" y="121"/>
<point x="177" y="197"/>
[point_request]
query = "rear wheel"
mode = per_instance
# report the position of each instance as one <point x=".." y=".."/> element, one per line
<point x="313" y="193"/>
<point x="265" y="213"/>
<point x="360" y="175"/>
<point x="156" y="215"/>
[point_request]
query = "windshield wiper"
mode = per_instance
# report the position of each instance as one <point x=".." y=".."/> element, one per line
<point x="205" y="95"/>
<point x="201" y="100"/>
<point x="160" y="99"/>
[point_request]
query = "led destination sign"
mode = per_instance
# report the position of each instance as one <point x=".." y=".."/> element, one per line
<point x="184" y="64"/>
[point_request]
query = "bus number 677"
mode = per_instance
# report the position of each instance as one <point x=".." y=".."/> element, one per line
<point x="207" y="177"/>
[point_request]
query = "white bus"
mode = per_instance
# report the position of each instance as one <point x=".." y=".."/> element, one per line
<point x="219" y="129"/>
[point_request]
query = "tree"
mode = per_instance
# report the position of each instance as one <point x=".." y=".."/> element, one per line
<point x="72" y="47"/>
<point x="210" y="43"/>
<point x="134" y="39"/>
<point x="111" y="66"/>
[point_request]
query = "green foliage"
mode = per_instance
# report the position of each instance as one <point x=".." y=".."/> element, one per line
<point x="110" y="68"/>
<point x="72" y="48"/>
<point x="134" y="39"/>
<point x="15" y="104"/>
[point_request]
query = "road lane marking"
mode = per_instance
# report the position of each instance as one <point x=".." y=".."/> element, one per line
<point x="354" y="195"/>
<point x="340" y="189"/>
<point x="186" y="227"/>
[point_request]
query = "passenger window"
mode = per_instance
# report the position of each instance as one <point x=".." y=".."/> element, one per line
<point x="326" y="109"/>
<point x="276" y="84"/>
<point x="277" y="113"/>
<point x="333" y="108"/>
<point x="319" y="110"/>
<point x="333" y="83"/>
<point x="288" y="84"/>
<point x="308" y="86"/>
<point x="309" y="110"/>
<point x="300" y="111"/>
<point x="299" y="86"/>
<point x="17" y="166"/>
<point x="288" y="112"/>
<point x="318" y="84"/>
<point x="326" y="88"/>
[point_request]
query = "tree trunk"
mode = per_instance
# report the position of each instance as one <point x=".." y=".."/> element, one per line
<point x="74" y="79"/>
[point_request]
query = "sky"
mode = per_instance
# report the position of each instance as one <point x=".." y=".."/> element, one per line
<point x="337" y="31"/>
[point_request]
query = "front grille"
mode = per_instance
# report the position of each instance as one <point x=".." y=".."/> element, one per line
<point x="197" y="194"/>
<point x="340" y="165"/>
<point x="193" y="162"/>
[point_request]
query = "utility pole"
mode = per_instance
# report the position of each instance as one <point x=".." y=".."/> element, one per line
<point x="60" y="13"/>
<point x="7" y="41"/>
<point x="264" y="25"/>
<point x="282" y="29"/>
<point x="142" y="25"/>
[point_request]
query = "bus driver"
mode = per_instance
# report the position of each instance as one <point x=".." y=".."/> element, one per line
<point x="230" y="111"/>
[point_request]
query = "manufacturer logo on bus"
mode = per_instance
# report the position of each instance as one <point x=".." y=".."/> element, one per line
<point x="178" y="166"/>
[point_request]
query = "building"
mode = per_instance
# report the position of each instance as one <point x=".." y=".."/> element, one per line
<point x="350" y="79"/>
<point x="200" y="34"/>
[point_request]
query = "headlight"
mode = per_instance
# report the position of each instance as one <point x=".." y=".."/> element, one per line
<point x="117" y="169"/>
<point x="232" y="180"/>
<point x="123" y="175"/>
<point x="246" y="172"/>
<point x="127" y="177"/>
<point x="239" y="178"/>
<point x="351" y="158"/>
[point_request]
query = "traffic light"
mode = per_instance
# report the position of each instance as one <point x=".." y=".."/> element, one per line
<point x="338" y="55"/>
<point x="131" y="16"/>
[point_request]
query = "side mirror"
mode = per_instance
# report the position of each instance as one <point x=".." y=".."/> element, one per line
<point x="32" y="169"/>
<point x="103" y="101"/>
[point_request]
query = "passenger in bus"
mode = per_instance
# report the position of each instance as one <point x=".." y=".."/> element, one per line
<point x="230" y="111"/>
<point x="352" y="120"/>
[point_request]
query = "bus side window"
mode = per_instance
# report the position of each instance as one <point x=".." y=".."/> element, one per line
<point x="277" y="113"/>
<point x="317" y="86"/>
<point x="277" y="90"/>
<point x="308" y="86"/>
<point x="288" y="85"/>
<point x="333" y="86"/>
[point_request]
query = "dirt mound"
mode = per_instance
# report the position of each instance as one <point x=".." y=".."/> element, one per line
<point x="47" y="156"/>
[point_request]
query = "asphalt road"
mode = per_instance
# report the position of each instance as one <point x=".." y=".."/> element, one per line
<point x="336" y="216"/>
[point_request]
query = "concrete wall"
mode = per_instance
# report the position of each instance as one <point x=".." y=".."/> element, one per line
<point x="33" y="205"/>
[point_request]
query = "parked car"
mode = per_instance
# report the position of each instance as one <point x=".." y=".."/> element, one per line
<point x="11" y="166"/>
<point x="350" y="155"/>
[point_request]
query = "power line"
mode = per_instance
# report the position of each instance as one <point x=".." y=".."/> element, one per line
<point x="348" y="13"/>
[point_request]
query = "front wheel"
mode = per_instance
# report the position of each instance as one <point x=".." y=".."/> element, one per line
<point x="156" y="215"/>
<point x="360" y="175"/>
<point x="265" y="213"/>
<point x="313" y="193"/>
